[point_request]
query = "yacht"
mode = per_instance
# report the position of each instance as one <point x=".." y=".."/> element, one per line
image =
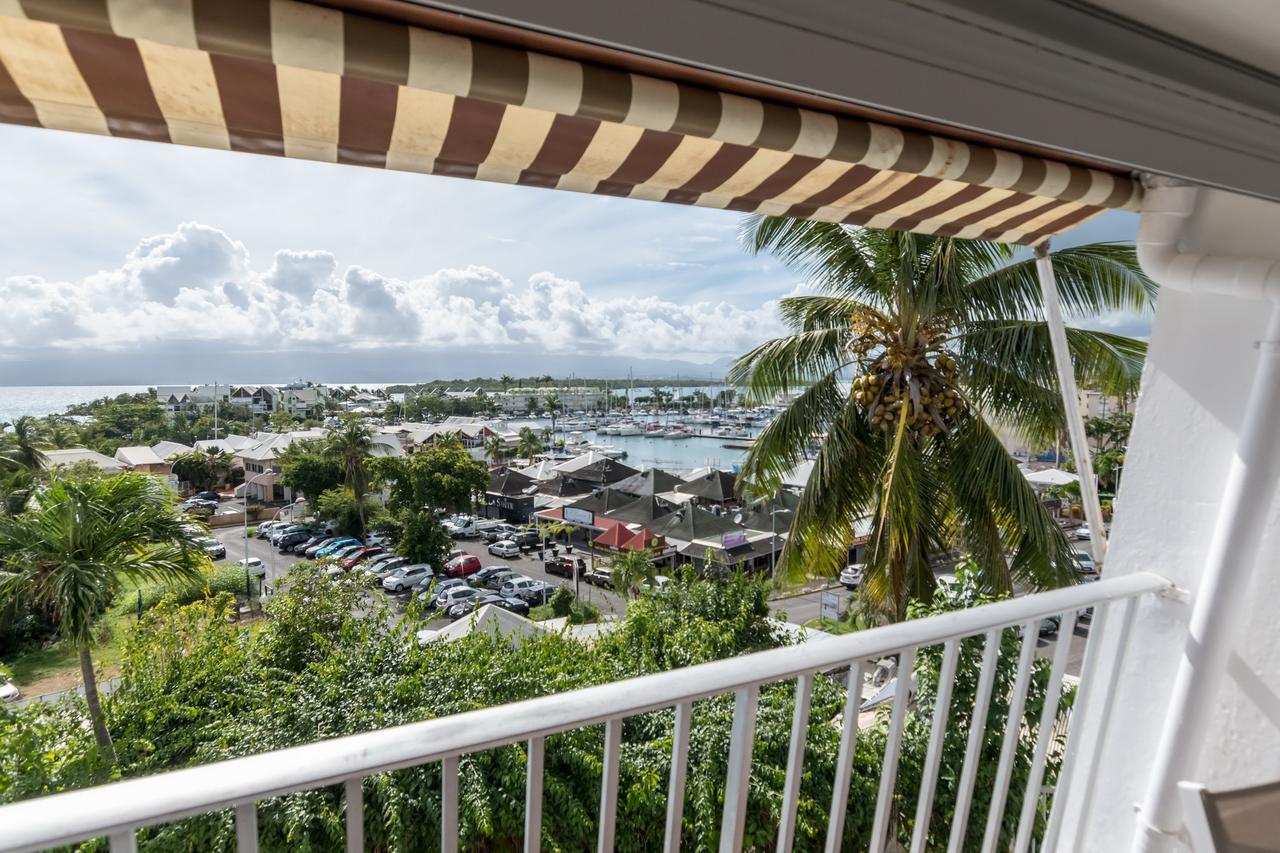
<point x="627" y="428"/>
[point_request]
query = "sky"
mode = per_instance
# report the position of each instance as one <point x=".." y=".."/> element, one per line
<point x="131" y="262"/>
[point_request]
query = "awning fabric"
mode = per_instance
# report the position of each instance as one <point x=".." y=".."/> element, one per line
<point x="301" y="80"/>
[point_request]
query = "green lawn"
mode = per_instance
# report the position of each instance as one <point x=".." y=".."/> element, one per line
<point x="844" y="626"/>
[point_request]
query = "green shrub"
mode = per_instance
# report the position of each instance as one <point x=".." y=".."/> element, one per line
<point x="561" y="602"/>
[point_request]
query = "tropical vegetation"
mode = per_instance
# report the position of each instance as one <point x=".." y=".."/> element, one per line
<point x="198" y="688"/>
<point x="83" y="541"/>
<point x="908" y="354"/>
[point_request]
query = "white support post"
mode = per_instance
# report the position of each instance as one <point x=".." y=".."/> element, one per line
<point x="1071" y="403"/>
<point x="1220" y="597"/>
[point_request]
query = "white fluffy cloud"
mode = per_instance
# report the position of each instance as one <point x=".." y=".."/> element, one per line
<point x="197" y="284"/>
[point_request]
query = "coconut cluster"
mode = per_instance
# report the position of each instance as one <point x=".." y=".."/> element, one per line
<point x="916" y="375"/>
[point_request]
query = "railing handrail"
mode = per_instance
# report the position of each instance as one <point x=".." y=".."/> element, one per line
<point x="75" y="815"/>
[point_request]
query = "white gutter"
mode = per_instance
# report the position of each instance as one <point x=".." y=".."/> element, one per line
<point x="1071" y="404"/>
<point x="1250" y="490"/>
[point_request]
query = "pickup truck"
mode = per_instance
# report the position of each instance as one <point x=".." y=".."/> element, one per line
<point x="565" y="566"/>
<point x="465" y="529"/>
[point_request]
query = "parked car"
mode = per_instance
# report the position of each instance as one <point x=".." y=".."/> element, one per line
<point x="1085" y="564"/>
<point x="500" y="532"/>
<point x="530" y="590"/>
<point x="9" y="691"/>
<point x="1083" y="533"/>
<point x="196" y="504"/>
<point x="600" y="576"/>
<point x="1049" y="625"/>
<point x="467" y="564"/>
<point x="337" y="545"/>
<point x="404" y="577"/>
<point x="301" y="547"/>
<point x="481" y="577"/>
<point x="382" y="539"/>
<point x="851" y="575"/>
<point x="376" y="564"/>
<point x="254" y="565"/>
<point x="343" y="553"/>
<point x="286" y="542"/>
<point x="364" y="553"/>
<point x="565" y="566"/>
<point x="429" y="586"/>
<point x="215" y="549"/>
<point x="660" y="585"/>
<point x="280" y="532"/>
<point x="504" y="548"/>
<point x="264" y="529"/>
<point x="465" y="608"/>
<point x="208" y="496"/>
<point x="527" y="538"/>
<point x="445" y="599"/>
<point x="495" y="581"/>
<point x="311" y="550"/>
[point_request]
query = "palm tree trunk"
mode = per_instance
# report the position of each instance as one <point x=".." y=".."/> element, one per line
<point x="91" y="698"/>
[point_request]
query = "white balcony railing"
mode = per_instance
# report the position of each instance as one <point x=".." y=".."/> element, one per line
<point x="118" y="810"/>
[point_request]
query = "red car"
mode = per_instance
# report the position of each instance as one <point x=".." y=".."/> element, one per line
<point x="362" y="554"/>
<point x="460" y="567"/>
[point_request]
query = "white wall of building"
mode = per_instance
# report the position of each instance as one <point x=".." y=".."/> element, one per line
<point x="1201" y="363"/>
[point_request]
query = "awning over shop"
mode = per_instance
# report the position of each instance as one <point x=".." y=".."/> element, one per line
<point x="317" y="82"/>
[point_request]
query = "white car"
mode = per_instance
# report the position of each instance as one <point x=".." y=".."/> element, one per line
<point x="1085" y="564"/>
<point x="851" y="575"/>
<point x="504" y="548"/>
<point x="9" y="691"/>
<point x="254" y="565"/>
<point x="1084" y="533"/>
<point x="405" y="577"/>
<point x="660" y="584"/>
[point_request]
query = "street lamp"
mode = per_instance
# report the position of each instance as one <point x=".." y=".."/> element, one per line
<point x="773" y="540"/>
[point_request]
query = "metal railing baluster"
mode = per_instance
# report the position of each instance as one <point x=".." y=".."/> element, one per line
<point x="892" y="748"/>
<point x="1044" y="733"/>
<point x="533" y="796"/>
<point x="844" y="761"/>
<point x="1012" y="734"/>
<point x="247" y="827"/>
<point x="795" y="762"/>
<point x="741" y="744"/>
<point x="449" y="805"/>
<point x="933" y="756"/>
<point x="977" y="730"/>
<point x="609" y="784"/>
<point x="354" y="789"/>
<point x="679" y="769"/>
<point x="124" y="842"/>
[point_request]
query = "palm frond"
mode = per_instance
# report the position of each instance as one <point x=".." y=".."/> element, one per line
<point x="779" y="365"/>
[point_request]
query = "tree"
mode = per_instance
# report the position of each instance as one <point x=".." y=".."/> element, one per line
<point x="281" y="420"/>
<point x="340" y="506"/>
<point x="350" y="444"/>
<point x="530" y="444"/>
<point x="203" y="469"/>
<point x="629" y="569"/>
<point x="939" y="335"/>
<point x="83" y="542"/>
<point x="495" y="449"/>
<point x="505" y="381"/>
<point x="443" y="476"/>
<point x="309" y="468"/>
<point x="553" y="405"/>
<point x="1110" y="436"/>
<point x="20" y="446"/>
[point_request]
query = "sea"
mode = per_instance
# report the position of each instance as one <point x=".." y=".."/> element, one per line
<point x="36" y="400"/>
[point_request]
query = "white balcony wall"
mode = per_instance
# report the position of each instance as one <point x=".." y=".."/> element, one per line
<point x="1202" y="360"/>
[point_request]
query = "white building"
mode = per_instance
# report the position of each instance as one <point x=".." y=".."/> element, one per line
<point x="517" y="401"/>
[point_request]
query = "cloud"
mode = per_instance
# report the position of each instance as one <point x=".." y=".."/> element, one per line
<point x="198" y="285"/>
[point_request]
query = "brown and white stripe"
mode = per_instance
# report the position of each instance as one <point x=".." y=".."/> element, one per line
<point x="297" y="79"/>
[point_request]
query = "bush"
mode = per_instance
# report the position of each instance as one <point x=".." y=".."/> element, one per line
<point x="561" y="602"/>
<point x="224" y="578"/>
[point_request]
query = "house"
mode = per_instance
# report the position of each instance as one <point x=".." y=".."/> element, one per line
<point x="144" y="460"/>
<point x="510" y="495"/>
<point x="262" y="471"/>
<point x="714" y="488"/>
<point x="166" y="450"/>
<point x="67" y="457"/>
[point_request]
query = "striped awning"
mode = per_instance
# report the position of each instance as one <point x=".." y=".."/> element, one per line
<point x="298" y="79"/>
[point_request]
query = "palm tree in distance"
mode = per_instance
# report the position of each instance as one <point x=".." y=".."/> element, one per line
<point x="530" y="444"/>
<point x="553" y="405"/>
<point x="629" y="569"/>
<point x="20" y="445"/>
<point x="904" y="354"/>
<point x="506" y="381"/>
<point x="350" y="444"/>
<point x="495" y="449"/>
<point x="80" y="545"/>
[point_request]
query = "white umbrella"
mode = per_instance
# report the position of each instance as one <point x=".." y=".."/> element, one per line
<point x="1052" y="477"/>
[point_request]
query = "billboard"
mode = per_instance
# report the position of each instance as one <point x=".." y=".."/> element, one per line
<point x="733" y="539"/>
<point x="573" y="515"/>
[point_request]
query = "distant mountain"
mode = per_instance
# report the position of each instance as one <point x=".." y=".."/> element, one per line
<point x="235" y="361"/>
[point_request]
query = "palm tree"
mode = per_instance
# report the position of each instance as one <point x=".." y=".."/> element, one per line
<point x="495" y="449"/>
<point x="905" y="352"/>
<point x="553" y="404"/>
<point x="85" y="539"/>
<point x="351" y="444"/>
<point x="629" y="569"/>
<point x="506" y="381"/>
<point x="530" y="444"/>
<point x="20" y="448"/>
